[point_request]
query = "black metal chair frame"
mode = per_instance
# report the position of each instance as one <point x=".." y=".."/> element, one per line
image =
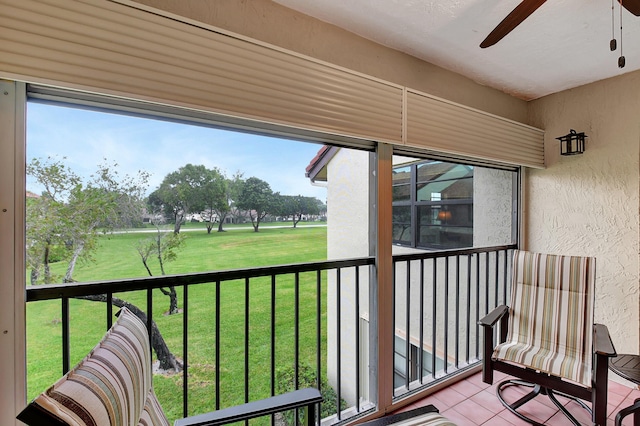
<point x="401" y="417"/>
<point x="545" y="384"/>
<point x="300" y="399"/>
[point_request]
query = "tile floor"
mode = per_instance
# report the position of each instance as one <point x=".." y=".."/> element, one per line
<point x="471" y="402"/>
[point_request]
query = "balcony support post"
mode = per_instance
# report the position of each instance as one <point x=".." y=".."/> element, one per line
<point x="383" y="308"/>
<point x="12" y="262"/>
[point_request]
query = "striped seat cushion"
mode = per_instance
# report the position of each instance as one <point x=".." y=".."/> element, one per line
<point x="429" y="419"/>
<point x="551" y="315"/>
<point x="112" y="386"/>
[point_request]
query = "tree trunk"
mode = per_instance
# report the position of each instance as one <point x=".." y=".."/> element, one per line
<point x="222" y="217"/>
<point x="167" y="360"/>
<point x="179" y="217"/>
<point x="45" y="262"/>
<point x="68" y="277"/>
<point x="173" y="299"/>
<point x="35" y="274"/>
<point x="146" y="266"/>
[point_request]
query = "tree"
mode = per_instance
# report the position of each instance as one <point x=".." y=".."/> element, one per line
<point x="48" y="217"/>
<point x="257" y="199"/>
<point x="162" y="246"/>
<point x="70" y="214"/>
<point x="298" y="206"/>
<point x="179" y="193"/>
<point x="214" y="196"/>
<point x="63" y="224"/>
<point x="234" y="189"/>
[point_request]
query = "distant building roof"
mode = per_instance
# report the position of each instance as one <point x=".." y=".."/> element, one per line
<point x="317" y="168"/>
<point x="30" y="194"/>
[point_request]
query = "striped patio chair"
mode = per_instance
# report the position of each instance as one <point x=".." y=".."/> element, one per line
<point x="548" y="339"/>
<point x="113" y="386"/>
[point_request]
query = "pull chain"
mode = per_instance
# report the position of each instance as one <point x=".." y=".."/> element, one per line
<point x="621" y="59"/>
<point x="613" y="43"/>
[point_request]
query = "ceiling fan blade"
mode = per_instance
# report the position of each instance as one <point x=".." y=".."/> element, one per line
<point x="515" y="18"/>
<point x="632" y="6"/>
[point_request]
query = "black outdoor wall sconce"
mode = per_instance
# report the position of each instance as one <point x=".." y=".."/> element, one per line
<point x="572" y="143"/>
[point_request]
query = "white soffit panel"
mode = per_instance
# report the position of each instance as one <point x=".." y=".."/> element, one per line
<point x="121" y="50"/>
<point x="438" y="125"/>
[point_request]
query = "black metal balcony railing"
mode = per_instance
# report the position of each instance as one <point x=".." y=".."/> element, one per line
<point x="439" y="297"/>
<point x="455" y="288"/>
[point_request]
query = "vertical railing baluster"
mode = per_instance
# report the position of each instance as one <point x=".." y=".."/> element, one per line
<point x="247" y="301"/>
<point x="296" y="337"/>
<point x="150" y="318"/>
<point x="185" y="351"/>
<point x="273" y="342"/>
<point x="393" y="317"/>
<point x="319" y="338"/>
<point x="407" y="345"/>
<point x="421" y="322"/>
<point x="486" y="283"/>
<point x="497" y="284"/>
<point x="357" y="315"/>
<point x="468" y="349"/>
<point x="296" y="314"/>
<point x="457" y="341"/>
<point x="109" y="310"/>
<point x="434" y="315"/>
<point x="506" y="276"/>
<point x="477" y="257"/>
<point x="65" y="334"/>
<point x="446" y="313"/>
<point x="338" y="341"/>
<point x="217" y="345"/>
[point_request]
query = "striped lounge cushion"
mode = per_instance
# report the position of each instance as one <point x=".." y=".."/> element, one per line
<point x="551" y="315"/>
<point x="112" y="386"/>
<point x="429" y="419"/>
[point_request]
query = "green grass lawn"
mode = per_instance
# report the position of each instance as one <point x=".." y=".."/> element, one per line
<point x="116" y="257"/>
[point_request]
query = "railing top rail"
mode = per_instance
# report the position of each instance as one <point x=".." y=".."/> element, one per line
<point x="449" y="253"/>
<point x="57" y="291"/>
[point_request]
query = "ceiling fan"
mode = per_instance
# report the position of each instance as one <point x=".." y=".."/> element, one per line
<point x="526" y="8"/>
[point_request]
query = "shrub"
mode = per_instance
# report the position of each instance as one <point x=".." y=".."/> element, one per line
<point x="285" y="382"/>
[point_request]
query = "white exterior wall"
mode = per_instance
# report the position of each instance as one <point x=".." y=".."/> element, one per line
<point x="588" y="204"/>
<point x="493" y="192"/>
<point x="347" y="237"/>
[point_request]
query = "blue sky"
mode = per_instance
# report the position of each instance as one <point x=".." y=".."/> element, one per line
<point x="86" y="138"/>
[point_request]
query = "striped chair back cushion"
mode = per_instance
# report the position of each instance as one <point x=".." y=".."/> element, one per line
<point x="551" y="315"/>
<point x="112" y="386"/>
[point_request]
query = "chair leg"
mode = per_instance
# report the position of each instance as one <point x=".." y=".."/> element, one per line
<point x="520" y="402"/>
<point x="599" y="390"/>
<point x="537" y="390"/>
<point x="562" y="408"/>
<point x="635" y="409"/>
<point x="487" y="368"/>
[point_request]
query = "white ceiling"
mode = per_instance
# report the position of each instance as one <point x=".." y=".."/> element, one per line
<point x="564" y="44"/>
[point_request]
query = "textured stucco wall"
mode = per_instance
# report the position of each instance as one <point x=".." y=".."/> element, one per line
<point x="493" y="195"/>
<point x="347" y="237"/>
<point x="272" y="23"/>
<point x="589" y="204"/>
